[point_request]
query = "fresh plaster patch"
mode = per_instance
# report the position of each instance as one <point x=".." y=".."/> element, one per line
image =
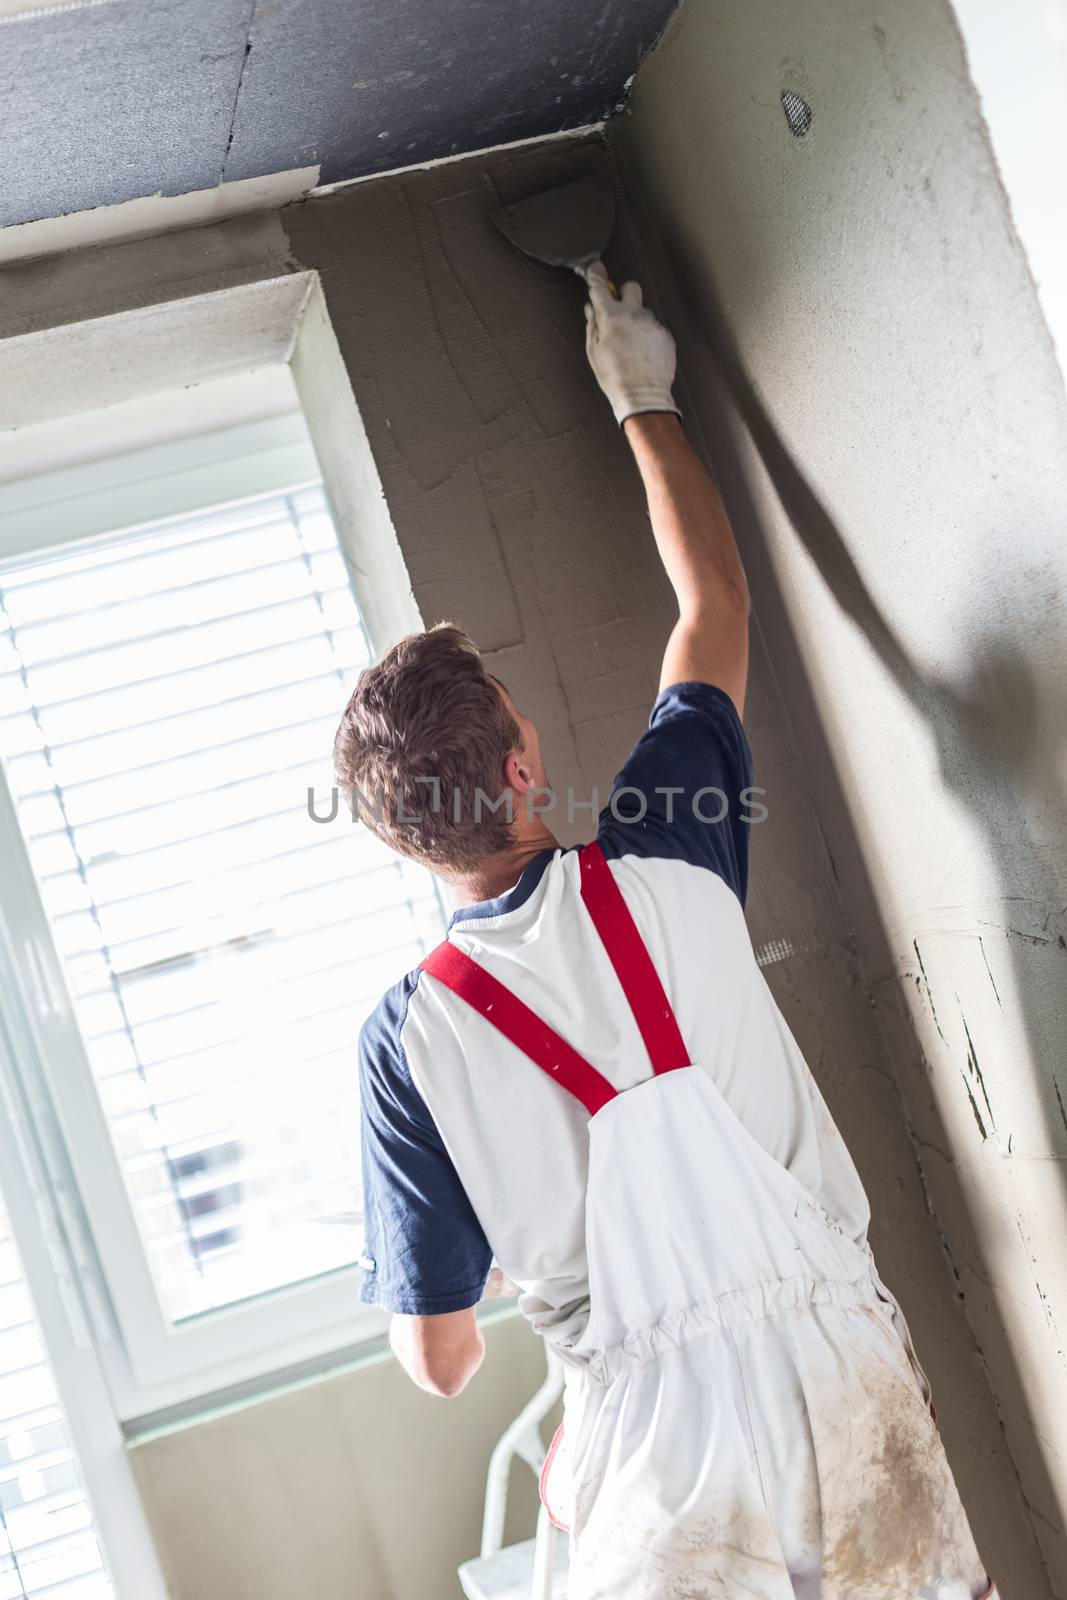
<point x="565" y="136"/>
<point x="154" y="214"/>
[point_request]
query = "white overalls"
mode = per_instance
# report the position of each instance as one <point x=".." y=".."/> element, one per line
<point x="744" y="1414"/>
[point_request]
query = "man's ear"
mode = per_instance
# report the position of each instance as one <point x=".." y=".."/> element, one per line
<point x="517" y="774"/>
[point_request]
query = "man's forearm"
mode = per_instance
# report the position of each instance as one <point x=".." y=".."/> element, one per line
<point x="633" y="359"/>
<point x="692" y="530"/>
<point x="701" y="558"/>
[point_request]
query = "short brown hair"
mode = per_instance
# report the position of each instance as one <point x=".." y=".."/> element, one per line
<point x="429" y="710"/>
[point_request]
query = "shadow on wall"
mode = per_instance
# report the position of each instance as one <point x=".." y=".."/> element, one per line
<point x="996" y="759"/>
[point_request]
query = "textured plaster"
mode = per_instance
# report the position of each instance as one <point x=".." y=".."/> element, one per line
<point x="891" y="429"/>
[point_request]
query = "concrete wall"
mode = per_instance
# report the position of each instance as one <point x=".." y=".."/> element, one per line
<point x="891" y="431"/>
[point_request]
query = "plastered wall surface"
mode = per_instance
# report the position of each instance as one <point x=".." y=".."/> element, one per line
<point x="345" y="1489"/>
<point x="893" y="440"/>
<point x="519" y="516"/>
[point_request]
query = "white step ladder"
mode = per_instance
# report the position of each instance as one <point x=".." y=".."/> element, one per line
<point x="537" y="1568"/>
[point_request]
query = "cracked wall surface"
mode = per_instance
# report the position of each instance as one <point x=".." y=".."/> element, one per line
<point x="893" y="437"/>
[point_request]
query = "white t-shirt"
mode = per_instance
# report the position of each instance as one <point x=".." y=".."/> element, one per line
<point x="470" y="1151"/>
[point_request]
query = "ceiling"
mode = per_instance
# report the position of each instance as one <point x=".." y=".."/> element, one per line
<point x="109" y="100"/>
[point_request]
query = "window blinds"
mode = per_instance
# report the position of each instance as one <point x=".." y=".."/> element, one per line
<point x="167" y="699"/>
<point x="47" y="1544"/>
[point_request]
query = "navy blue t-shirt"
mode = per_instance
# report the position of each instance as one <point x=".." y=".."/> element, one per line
<point x="684" y="793"/>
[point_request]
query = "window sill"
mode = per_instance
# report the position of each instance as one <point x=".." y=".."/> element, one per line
<point x="370" y="1352"/>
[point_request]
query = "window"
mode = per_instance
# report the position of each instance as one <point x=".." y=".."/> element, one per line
<point x="201" y="949"/>
<point x="47" y="1543"/>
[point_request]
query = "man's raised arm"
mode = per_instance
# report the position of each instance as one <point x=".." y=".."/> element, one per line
<point x="633" y="359"/>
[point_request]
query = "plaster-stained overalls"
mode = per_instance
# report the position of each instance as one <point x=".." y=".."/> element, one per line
<point x="744" y="1414"/>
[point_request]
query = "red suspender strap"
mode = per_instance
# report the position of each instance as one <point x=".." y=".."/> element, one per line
<point x="633" y="965"/>
<point x="455" y="969"/>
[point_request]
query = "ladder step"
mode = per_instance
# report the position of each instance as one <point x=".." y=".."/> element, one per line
<point x="508" y="1574"/>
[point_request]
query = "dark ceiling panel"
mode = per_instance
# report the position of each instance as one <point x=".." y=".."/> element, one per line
<point x="386" y="83"/>
<point x="106" y="102"/>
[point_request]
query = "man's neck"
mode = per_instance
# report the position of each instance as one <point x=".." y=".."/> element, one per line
<point x="500" y="873"/>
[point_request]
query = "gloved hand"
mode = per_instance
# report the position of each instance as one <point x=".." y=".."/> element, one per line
<point x="630" y="352"/>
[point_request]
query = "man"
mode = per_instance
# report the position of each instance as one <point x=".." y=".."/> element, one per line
<point x="590" y="1081"/>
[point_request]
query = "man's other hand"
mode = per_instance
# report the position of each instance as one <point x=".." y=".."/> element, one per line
<point x="498" y="1286"/>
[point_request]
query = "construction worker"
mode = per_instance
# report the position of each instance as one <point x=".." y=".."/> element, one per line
<point x="589" y="1080"/>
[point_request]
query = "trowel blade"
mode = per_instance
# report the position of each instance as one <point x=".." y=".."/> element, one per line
<point x="568" y="226"/>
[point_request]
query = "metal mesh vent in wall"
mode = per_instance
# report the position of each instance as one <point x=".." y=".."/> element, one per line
<point x="798" y="113"/>
<point x="166" y="701"/>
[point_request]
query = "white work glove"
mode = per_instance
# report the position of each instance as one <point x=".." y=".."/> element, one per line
<point x="630" y="352"/>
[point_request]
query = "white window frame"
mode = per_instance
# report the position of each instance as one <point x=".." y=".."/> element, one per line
<point x="151" y="1364"/>
<point x="50" y="1240"/>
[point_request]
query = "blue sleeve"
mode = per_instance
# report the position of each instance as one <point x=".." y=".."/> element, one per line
<point x="424" y="1250"/>
<point x="686" y="791"/>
